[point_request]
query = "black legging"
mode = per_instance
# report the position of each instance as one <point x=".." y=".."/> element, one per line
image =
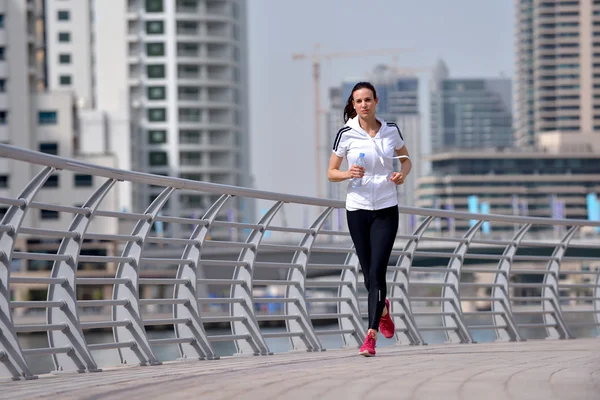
<point x="373" y="234"/>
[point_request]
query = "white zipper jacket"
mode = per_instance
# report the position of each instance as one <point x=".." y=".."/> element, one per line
<point x="376" y="191"/>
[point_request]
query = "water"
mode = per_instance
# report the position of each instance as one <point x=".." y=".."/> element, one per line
<point x="109" y="358"/>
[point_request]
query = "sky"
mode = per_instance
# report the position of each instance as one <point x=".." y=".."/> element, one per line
<point x="474" y="37"/>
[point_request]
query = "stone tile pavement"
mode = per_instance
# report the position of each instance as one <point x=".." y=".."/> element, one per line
<point x="527" y="370"/>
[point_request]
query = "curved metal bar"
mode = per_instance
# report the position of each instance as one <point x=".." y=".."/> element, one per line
<point x="255" y="344"/>
<point x="135" y="331"/>
<point x="13" y="364"/>
<point x="351" y="307"/>
<point x="559" y="330"/>
<point x="596" y="302"/>
<point x="200" y="348"/>
<point x="79" y="359"/>
<point x="455" y="319"/>
<point x="407" y="331"/>
<point x="501" y="294"/>
<point x="309" y="340"/>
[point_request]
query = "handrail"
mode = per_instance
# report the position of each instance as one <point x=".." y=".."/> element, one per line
<point x="33" y="157"/>
<point x="310" y="284"/>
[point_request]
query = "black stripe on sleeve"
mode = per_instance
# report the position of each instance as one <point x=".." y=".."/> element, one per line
<point x="398" y="129"/>
<point x="338" y="137"/>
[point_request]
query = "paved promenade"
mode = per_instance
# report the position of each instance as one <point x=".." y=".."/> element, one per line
<point x="529" y="370"/>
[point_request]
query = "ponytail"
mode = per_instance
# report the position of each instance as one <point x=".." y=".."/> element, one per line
<point x="349" y="111"/>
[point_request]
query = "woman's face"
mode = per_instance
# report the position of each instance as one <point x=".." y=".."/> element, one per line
<point x="364" y="103"/>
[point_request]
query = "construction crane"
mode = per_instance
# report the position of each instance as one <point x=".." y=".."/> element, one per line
<point x="316" y="57"/>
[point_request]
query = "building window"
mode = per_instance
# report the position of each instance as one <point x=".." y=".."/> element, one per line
<point x="64" y="37"/>
<point x="3" y="181"/>
<point x="1" y="21"/>
<point x="47" y="117"/>
<point x="2" y="54"/>
<point x="154" y="6"/>
<point x="157" y="158"/>
<point x="157" y="136"/>
<point x="3" y="117"/>
<point x="2" y="85"/>
<point x="48" y="214"/>
<point x="156" y="92"/>
<point x="155" y="49"/>
<point x="83" y="180"/>
<point x="49" y="148"/>
<point x="64" y="58"/>
<point x="52" y="182"/>
<point x="64" y="15"/>
<point x="157" y="114"/>
<point x="65" y="80"/>
<point x="155" y="27"/>
<point x="155" y="71"/>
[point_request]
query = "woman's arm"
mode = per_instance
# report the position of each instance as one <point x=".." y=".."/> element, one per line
<point x="333" y="172"/>
<point x="405" y="167"/>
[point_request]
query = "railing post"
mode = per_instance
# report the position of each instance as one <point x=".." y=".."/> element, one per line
<point x="551" y="291"/>
<point x="501" y="294"/>
<point x="135" y="332"/>
<point x="406" y="322"/>
<point x="200" y="348"/>
<point x="256" y="344"/>
<point x="309" y="341"/>
<point x="452" y="277"/>
<point x="350" y="290"/>
<point x="79" y="359"/>
<point x="596" y="301"/>
<point x="13" y="362"/>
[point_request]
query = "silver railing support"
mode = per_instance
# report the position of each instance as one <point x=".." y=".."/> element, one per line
<point x="554" y="320"/>
<point x="309" y="340"/>
<point x="352" y="323"/>
<point x="501" y="292"/>
<point x="452" y="308"/>
<point x="596" y="301"/>
<point x="406" y="327"/>
<point x="254" y="343"/>
<point x="13" y="363"/>
<point x="135" y="332"/>
<point x="79" y="359"/>
<point x="199" y="347"/>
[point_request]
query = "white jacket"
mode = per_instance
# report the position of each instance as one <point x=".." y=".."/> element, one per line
<point x="376" y="191"/>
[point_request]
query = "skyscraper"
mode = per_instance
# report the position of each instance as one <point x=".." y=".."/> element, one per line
<point x="557" y="83"/>
<point x="469" y="113"/>
<point x="173" y="73"/>
<point x="41" y="121"/>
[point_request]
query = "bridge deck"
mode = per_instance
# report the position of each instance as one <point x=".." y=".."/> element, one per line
<point x="529" y="370"/>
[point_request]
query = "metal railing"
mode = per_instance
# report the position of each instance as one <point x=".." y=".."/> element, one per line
<point x="437" y="283"/>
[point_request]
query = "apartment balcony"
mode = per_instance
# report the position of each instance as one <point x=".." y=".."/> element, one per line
<point x="205" y="17"/>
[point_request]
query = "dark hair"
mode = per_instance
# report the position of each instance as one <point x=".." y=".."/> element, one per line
<point x="349" y="111"/>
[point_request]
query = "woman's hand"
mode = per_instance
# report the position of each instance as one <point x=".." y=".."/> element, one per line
<point x="356" y="172"/>
<point x="397" y="178"/>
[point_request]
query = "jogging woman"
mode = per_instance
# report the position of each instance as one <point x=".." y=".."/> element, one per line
<point x="371" y="206"/>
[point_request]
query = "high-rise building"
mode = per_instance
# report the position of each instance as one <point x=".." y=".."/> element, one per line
<point x="557" y="83"/>
<point x="469" y="113"/>
<point x="173" y="74"/>
<point x="398" y="96"/>
<point x="40" y="121"/>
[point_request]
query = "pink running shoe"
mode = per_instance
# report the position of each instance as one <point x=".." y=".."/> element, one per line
<point x="386" y="324"/>
<point x="368" y="347"/>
